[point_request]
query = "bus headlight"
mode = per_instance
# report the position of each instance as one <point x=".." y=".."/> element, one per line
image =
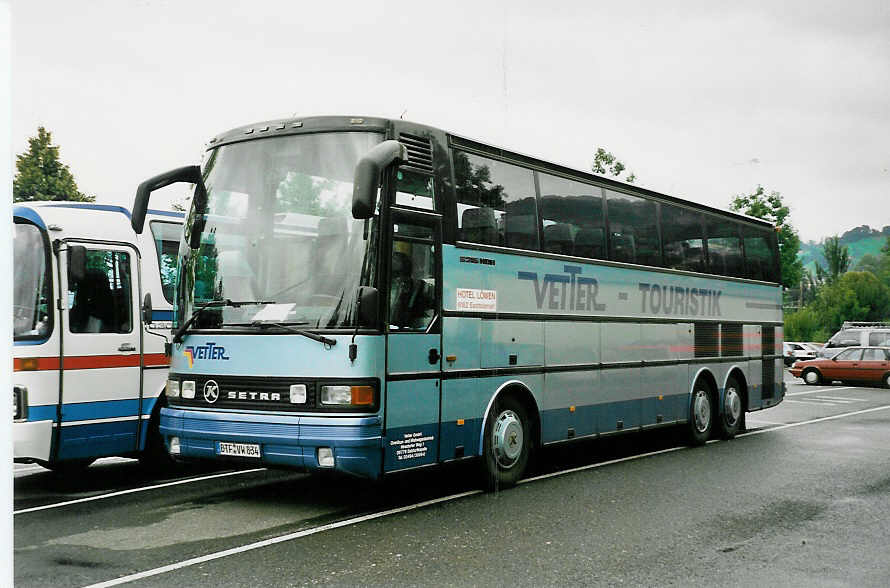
<point x="298" y="394"/>
<point x="172" y="388"/>
<point x="188" y="389"/>
<point x="347" y="396"/>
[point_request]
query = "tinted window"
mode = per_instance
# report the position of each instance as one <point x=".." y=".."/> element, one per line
<point x="724" y="247"/>
<point x="572" y="217"/>
<point x="760" y="253"/>
<point x="633" y="229"/>
<point x="849" y="355"/>
<point x="683" y="239"/>
<point x="102" y="299"/>
<point x="166" y="236"/>
<point x="495" y="202"/>
<point x="414" y="189"/>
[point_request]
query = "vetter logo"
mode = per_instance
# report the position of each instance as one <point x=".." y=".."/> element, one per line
<point x="209" y="350"/>
<point x="569" y="291"/>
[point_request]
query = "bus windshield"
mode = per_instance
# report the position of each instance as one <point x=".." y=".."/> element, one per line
<point x="279" y="228"/>
<point x="30" y="284"/>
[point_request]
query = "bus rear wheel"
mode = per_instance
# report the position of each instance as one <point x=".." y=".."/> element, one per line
<point x="506" y="443"/>
<point x="733" y="413"/>
<point x="701" y="414"/>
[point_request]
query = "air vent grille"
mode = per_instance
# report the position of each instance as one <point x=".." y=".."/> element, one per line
<point x="420" y="152"/>
<point x="730" y="340"/>
<point x="707" y="339"/>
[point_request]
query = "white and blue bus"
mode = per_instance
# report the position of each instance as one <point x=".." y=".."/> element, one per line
<point x="92" y="309"/>
<point x="370" y="295"/>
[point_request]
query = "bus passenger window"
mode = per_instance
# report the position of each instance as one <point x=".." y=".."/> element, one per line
<point x="683" y="238"/>
<point x="504" y="196"/>
<point x="633" y="229"/>
<point x="574" y="223"/>
<point x="724" y="248"/>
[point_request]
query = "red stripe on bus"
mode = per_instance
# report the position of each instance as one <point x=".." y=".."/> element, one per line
<point x="153" y="359"/>
<point x="28" y="364"/>
<point x="87" y="362"/>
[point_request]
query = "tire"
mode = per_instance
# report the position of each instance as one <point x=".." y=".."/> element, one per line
<point x="506" y="443"/>
<point x="812" y="377"/>
<point x="732" y="415"/>
<point x="886" y="380"/>
<point x="701" y="414"/>
<point x="69" y="467"/>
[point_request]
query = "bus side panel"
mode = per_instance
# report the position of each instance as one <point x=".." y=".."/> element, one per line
<point x="569" y="399"/>
<point x="665" y="394"/>
<point x="752" y="348"/>
<point x="412" y="427"/>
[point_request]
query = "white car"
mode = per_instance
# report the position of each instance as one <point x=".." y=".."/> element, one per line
<point x="793" y="351"/>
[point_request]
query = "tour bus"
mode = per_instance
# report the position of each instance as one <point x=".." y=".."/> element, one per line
<point x="369" y="295"/>
<point x="92" y="313"/>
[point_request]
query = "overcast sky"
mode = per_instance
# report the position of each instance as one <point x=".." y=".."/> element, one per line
<point x="700" y="102"/>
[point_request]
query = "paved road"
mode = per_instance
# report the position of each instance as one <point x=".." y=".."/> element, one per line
<point x="803" y="499"/>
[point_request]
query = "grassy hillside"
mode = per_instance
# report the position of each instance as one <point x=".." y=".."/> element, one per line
<point x="859" y="241"/>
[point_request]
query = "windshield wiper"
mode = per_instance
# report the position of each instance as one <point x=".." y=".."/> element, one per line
<point x="315" y="336"/>
<point x="177" y="336"/>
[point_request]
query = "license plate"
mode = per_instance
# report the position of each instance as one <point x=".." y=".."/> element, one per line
<point x="239" y="449"/>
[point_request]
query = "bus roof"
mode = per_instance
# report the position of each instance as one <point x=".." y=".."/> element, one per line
<point x="83" y="221"/>
<point x="317" y="124"/>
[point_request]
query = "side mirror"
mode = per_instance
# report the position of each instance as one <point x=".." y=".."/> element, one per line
<point x="77" y="262"/>
<point x="368" y="306"/>
<point x="146" y="309"/>
<point x="367" y="175"/>
<point x="190" y="174"/>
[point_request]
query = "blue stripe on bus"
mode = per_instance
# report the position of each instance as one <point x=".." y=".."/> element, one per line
<point x="97" y="440"/>
<point x="162" y="315"/>
<point x="82" y="411"/>
<point x="28" y="214"/>
<point x="40" y="341"/>
<point x="107" y="208"/>
<point x="166" y="213"/>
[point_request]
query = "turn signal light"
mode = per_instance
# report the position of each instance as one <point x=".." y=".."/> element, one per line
<point x="362" y="395"/>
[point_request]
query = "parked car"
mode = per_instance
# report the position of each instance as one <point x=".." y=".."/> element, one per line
<point x="856" y="364"/>
<point x="857" y="333"/>
<point x="792" y="351"/>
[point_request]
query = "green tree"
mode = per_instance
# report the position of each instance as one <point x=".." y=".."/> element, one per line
<point x="40" y="175"/>
<point x="837" y="257"/>
<point x="854" y="296"/>
<point x="770" y="207"/>
<point x="605" y="163"/>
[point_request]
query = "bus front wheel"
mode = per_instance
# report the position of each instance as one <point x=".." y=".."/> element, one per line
<point x="701" y="414"/>
<point x="506" y="443"/>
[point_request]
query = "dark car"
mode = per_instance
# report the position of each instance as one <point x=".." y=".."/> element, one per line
<point x="855" y="364"/>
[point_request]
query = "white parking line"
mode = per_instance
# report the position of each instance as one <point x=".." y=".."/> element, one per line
<point x="813" y="401"/>
<point x="368" y="517"/>
<point x="134" y="490"/>
<point x="761" y="421"/>
<point x="817" y="390"/>
<point x="845" y="399"/>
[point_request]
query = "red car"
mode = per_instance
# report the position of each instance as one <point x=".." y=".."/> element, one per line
<point x="855" y="364"/>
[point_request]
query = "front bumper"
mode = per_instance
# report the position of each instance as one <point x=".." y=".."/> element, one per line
<point x="32" y="440"/>
<point x="285" y="440"/>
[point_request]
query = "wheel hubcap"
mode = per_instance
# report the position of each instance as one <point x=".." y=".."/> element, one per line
<point x="507" y="439"/>
<point x="811" y="378"/>
<point x="732" y="406"/>
<point x="701" y="411"/>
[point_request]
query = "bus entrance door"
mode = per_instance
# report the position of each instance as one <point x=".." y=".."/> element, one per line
<point x="413" y="362"/>
<point x="101" y="346"/>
